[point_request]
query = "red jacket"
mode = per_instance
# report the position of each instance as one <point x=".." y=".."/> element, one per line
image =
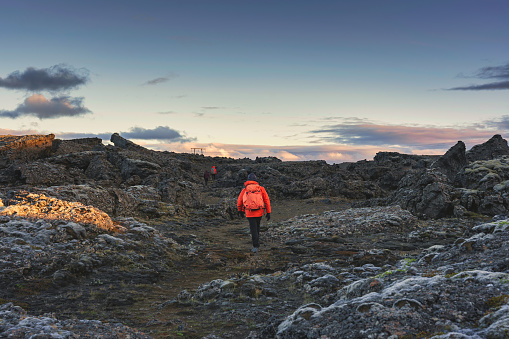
<point x="257" y="213"/>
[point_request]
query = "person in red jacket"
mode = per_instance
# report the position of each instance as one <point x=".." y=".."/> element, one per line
<point x="254" y="201"/>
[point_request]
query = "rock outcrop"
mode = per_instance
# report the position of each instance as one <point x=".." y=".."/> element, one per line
<point x="17" y="323"/>
<point x="27" y="147"/>
<point x="12" y="143"/>
<point x="411" y="181"/>
<point x="454" y="185"/>
<point x="121" y="142"/>
<point x="453" y="291"/>
<point x="494" y="148"/>
<point x="60" y="146"/>
<point x="452" y="162"/>
<point x="94" y="231"/>
<point x="40" y="207"/>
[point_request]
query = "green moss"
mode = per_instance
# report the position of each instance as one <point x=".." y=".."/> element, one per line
<point x="497" y="165"/>
<point x="497" y="302"/>
<point x="386" y="273"/>
<point x="490" y="176"/>
<point x="406" y="265"/>
<point x="409" y="261"/>
<point x="478" y="169"/>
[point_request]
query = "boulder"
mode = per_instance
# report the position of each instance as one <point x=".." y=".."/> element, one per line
<point x="494" y="148"/>
<point x="140" y="168"/>
<point x="43" y="173"/>
<point x="452" y="161"/>
<point x="60" y="146"/>
<point x="37" y="206"/>
<point x="121" y="142"/>
<point x="425" y="193"/>
<point x="99" y="168"/>
<point x="114" y="201"/>
<point x="181" y="193"/>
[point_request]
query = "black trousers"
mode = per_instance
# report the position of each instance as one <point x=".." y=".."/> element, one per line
<point x="254" y="226"/>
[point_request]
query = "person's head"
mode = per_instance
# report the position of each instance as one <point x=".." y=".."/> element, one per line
<point x="251" y="177"/>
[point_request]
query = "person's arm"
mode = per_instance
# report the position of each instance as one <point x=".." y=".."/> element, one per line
<point x="266" y="201"/>
<point x="240" y="204"/>
<point x="240" y="201"/>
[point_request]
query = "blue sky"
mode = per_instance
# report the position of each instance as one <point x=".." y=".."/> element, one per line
<point x="300" y="80"/>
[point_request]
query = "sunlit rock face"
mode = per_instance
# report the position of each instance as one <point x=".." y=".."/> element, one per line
<point x="13" y="142"/>
<point x="23" y="147"/>
<point x="37" y="206"/>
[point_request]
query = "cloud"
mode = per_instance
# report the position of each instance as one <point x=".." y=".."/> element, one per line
<point x="74" y="135"/>
<point x="490" y="72"/>
<point x="163" y="134"/>
<point x="56" y="78"/>
<point x="355" y="140"/>
<point x="37" y="105"/>
<point x="156" y="81"/>
<point x="329" y="153"/>
<point x="4" y="131"/>
<point x="159" y="133"/>
<point x="407" y="138"/>
<point x="500" y="124"/>
<point x="161" y="80"/>
<point x="490" y="86"/>
<point x="496" y="72"/>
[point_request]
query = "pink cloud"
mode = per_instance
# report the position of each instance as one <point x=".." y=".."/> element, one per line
<point x="329" y="153"/>
<point x="407" y="137"/>
<point x="4" y="131"/>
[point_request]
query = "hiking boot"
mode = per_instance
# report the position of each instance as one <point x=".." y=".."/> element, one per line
<point x="254" y="250"/>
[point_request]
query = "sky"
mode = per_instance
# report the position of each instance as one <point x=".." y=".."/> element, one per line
<point x="334" y="80"/>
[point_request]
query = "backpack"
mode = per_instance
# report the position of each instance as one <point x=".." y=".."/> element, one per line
<point x="253" y="199"/>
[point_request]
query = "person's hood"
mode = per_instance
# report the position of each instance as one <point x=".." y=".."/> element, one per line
<point x="250" y="182"/>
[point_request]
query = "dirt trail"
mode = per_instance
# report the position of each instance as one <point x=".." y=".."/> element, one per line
<point x="222" y="249"/>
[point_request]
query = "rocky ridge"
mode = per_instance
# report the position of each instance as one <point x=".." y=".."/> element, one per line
<point x="94" y="231"/>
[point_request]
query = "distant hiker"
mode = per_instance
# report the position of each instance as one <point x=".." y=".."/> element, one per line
<point x="253" y="201"/>
<point x="213" y="172"/>
<point x="206" y="176"/>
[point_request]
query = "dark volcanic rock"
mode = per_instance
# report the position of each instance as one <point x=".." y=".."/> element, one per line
<point x="494" y="148"/>
<point x="450" y="289"/>
<point x="26" y="148"/>
<point x="426" y="193"/>
<point x="388" y="168"/>
<point x="69" y="241"/>
<point x="76" y="145"/>
<point x="121" y="142"/>
<point x="452" y="161"/>
<point x="17" y="323"/>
